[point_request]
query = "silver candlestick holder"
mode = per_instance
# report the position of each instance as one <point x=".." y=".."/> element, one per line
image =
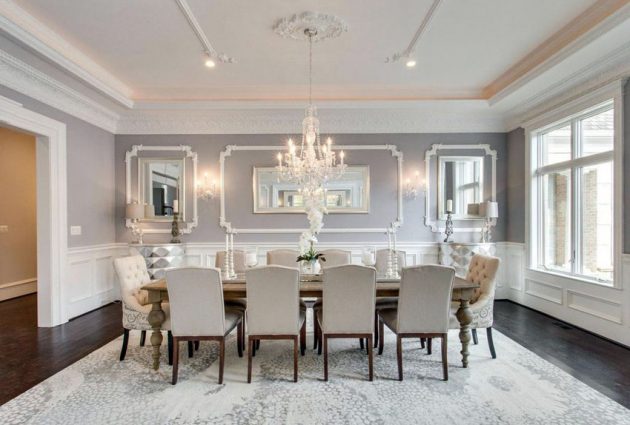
<point x="175" y="230"/>
<point x="448" y="231"/>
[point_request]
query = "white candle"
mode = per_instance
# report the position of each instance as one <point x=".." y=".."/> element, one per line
<point x="389" y="240"/>
<point x="175" y="206"/>
<point x="449" y="205"/>
<point x="394" y="231"/>
<point x="227" y="243"/>
<point x="232" y="241"/>
<point x="342" y="155"/>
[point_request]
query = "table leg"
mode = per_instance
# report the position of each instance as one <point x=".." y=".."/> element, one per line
<point x="464" y="316"/>
<point x="156" y="319"/>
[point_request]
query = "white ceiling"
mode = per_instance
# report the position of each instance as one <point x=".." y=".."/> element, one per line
<point x="149" y="46"/>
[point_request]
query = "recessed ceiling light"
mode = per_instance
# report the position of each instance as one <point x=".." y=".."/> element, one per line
<point x="410" y="63"/>
<point x="210" y="63"/>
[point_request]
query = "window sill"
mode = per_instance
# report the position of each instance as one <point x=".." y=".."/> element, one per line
<point x="581" y="279"/>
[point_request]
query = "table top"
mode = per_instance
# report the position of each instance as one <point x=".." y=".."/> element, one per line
<point x="313" y="284"/>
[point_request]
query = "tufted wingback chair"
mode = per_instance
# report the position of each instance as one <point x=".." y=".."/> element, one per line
<point x="132" y="275"/>
<point x="482" y="270"/>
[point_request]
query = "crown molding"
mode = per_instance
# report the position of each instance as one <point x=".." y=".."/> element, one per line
<point x="27" y="80"/>
<point x="597" y="20"/>
<point x="19" y="24"/>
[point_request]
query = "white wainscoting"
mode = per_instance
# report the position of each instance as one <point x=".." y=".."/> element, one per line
<point x="91" y="279"/>
<point x="600" y="309"/>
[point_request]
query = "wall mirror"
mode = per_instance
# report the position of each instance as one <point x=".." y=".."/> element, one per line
<point x="460" y="180"/>
<point x="163" y="177"/>
<point x="464" y="175"/>
<point x="348" y="194"/>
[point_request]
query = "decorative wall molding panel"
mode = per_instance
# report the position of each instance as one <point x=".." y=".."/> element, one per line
<point x="91" y="278"/>
<point x="31" y="82"/>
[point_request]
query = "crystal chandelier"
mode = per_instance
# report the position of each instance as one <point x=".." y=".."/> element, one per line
<point x="311" y="164"/>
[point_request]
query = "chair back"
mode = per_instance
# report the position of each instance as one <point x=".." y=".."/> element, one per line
<point x="132" y="274"/>
<point x="335" y="257"/>
<point x="349" y="297"/>
<point x="482" y="270"/>
<point x="239" y="261"/>
<point x="424" y="301"/>
<point x="196" y="301"/>
<point x="283" y="257"/>
<point x="273" y="300"/>
<point x="381" y="260"/>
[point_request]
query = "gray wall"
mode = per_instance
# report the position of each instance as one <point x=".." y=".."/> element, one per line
<point x="383" y="184"/>
<point x="90" y="174"/>
<point x="516" y="186"/>
<point x="626" y="168"/>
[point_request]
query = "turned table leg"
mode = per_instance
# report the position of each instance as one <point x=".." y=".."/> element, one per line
<point x="156" y="319"/>
<point x="464" y="316"/>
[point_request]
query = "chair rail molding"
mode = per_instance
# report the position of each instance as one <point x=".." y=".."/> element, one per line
<point x="52" y="208"/>
<point x="229" y="228"/>
<point x="133" y="153"/>
<point x="434" y="224"/>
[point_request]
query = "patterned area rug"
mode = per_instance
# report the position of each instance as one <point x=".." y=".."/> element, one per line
<point x="516" y="388"/>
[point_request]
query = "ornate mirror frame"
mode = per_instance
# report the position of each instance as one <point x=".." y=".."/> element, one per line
<point x="186" y="226"/>
<point x="396" y="221"/>
<point x="433" y="222"/>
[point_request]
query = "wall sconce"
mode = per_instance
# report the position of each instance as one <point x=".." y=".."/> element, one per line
<point x="206" y="190"/>
<point x="413" y="187"/>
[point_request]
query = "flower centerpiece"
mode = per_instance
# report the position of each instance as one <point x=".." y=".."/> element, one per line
<point x="310" y="259"/>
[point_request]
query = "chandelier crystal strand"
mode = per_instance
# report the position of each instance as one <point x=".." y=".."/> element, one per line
<point x="313" y="164"/>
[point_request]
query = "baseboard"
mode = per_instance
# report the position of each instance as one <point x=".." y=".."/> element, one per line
<point x="18" y="288"/>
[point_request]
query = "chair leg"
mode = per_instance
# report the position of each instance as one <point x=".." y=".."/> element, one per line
<point x="376" y="330"/>
<point x="370" y="359"/>
<point x="399" y="357"/>
<point x="175" y="360"/>
<point x="123" y="350"/>
<point x="253" y="348"/>
<point x="295" y="359"/>
<point x="422" y="341"/>
<point x="445" y="356"/>
<point x="361" y="343"/>
<point x="381" y="337"/>
<point x="320" y="339"/>
<point x="325" y="341"/>
<point x="429" y="346"/>
<point x="190" y="348"/>
<point x="491" y="342"/>
<point x="169" y="339"/>
<point x="315" y="330"/>
<point x="196" y="345"/>
<point x="250" y="351"/>
<point x="143" y="338"/>
<point x="474" y="335"/>
<point x="303" y="339"/>
<point x="257" y="344"/>
<point x="239" y="340"/>
<point x="221" y="359"/>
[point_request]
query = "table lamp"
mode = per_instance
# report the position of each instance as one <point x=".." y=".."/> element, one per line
<point x="135" y="212"/>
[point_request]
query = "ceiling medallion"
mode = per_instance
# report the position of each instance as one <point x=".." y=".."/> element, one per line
<point x="325" y="26"/>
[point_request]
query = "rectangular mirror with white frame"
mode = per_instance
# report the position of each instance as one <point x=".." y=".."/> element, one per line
<point x="460" y="181"/>
<point x="160" y="186"/>
<point x="348" y="194"/>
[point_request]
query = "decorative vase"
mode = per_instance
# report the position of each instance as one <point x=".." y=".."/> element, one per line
<point x="311" y="267"/>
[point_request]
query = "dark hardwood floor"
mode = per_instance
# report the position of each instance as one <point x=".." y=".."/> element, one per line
<point x="29" y="354"/>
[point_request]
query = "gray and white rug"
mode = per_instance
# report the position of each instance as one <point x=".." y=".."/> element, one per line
<point x="516" y="388"/>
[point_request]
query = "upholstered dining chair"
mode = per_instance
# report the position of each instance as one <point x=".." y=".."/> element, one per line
<point x="132" y="275"/>
<point x="283" y="257"/>
<point x="382" y="257"/>
<point x="340" y="318"/>
<point x="198" y="312"/>
<point x="482" y="270"/>
<point x="335" y="257"/>
<point x="273" y="298"/>
<point x="239" y="267"/>
<point x="423" y="310"/>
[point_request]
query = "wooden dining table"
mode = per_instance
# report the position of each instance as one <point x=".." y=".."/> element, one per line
<point x="310" y="286"/>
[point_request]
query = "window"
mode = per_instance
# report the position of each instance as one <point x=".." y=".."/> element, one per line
<point x="573" y="195"/>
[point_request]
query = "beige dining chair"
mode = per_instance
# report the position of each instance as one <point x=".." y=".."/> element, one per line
<point x="382" y="257"/>
<point x="273" y="299"/>
<point x="132" y="275"/>
<point x="239" y="267"/>
<point x="340" y="318"/>
<point x="198" y="312"/>
<point x="482" y="270"/>
<point x="423" y="310"/>
<point x="283" y="257"/>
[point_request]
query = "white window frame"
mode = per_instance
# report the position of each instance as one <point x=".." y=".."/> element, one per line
<point x="591" y="103"/>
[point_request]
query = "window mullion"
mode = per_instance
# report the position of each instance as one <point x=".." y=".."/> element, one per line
<point x="576" y="202"/>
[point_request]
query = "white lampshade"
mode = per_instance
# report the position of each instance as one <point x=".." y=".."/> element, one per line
<point x="134" y="211"/>
<point x="149" y="211"/>
<point x="491" y="209"/>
